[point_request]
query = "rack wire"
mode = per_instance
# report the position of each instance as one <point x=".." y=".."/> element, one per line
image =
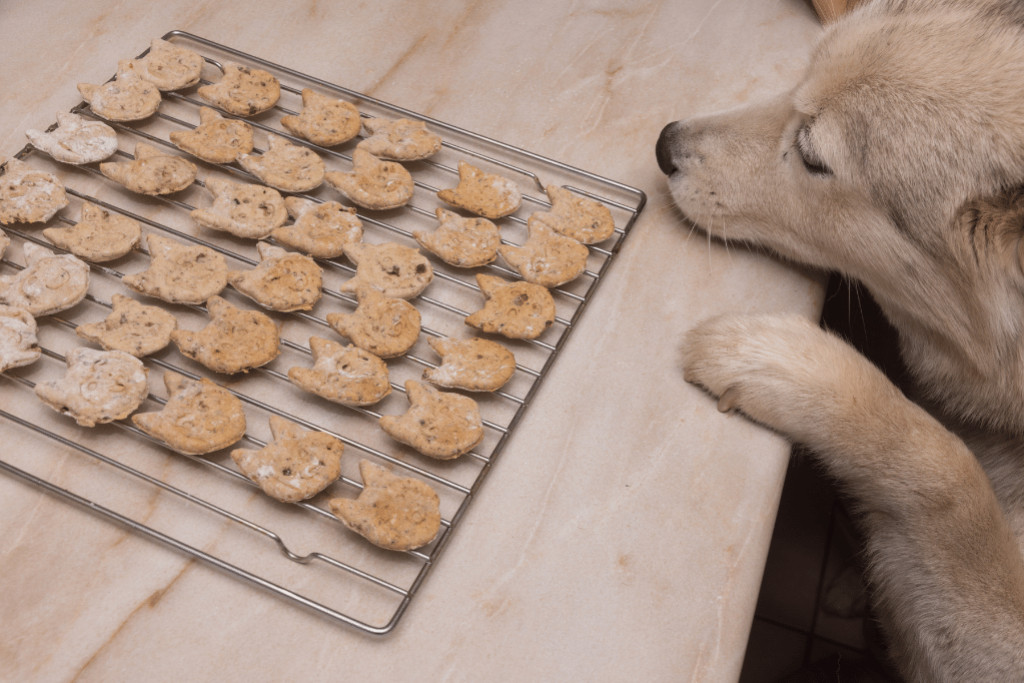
<point x="203" y="506"/>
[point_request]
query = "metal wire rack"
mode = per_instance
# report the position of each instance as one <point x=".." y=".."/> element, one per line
<point x="203" y="506"/>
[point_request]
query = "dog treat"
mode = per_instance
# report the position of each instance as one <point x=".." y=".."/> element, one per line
<point x="392" y="512"/>
<point x="151" y="171"/>
<point x="180" y="273"/>
<point x="384" y="326"/>
<point x="399" y="140"/>
<point x="28" y="195"/>
<point x="283" y="280"/>
<point x="199" y="416"/>
<point x="517" y="310"/>
<point x="18" y="343"/>
<point x="131" y="327"/>
<point x="373" y="183"/>
<point x="470" y="364"/>
<point x="288" y="167"/>
<point x="296" y="465"/>
<point x="98" y="387"/>
<point x="49" y="283"/>
<point x="128" y="97"/>
<point x="347" y="375"/>
<point x="439" y="424"/>
<point x="168" y="66"/>
<point x="98" y="236"/>
<point x="321" y="229"/>
<point x="461" y="242"/>
<point x="485" y="194"/>
<point x="216" y="139"/>
<point x="323" y="120"/>
<point x="242" y="209"/>
<point x="546" y="258"/>
<point x="75" y="140"/>
<point x="582" y="219"/>
<point x="235" y="340"/>
<point x="242" y="91"/>
<point x="393" y="269"/>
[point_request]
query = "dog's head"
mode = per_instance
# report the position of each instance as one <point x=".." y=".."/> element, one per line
<point x="896" y="160"/>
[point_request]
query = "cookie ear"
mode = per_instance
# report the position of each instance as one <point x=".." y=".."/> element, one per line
<point x="146" y="151"/>
<point x="91" y="212"/>
<point x="354" y="251"/>
<point x="174" y="382"/>
<point x="87" y="90"/>
<point x="284" y="430"/>
<point x="268" y="251"/>
<point x="35" y="253"/>
<point x="208" y="115"/>
<point x="217" y="187"/>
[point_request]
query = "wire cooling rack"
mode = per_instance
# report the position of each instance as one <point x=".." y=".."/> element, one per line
<point x="203" y="506"/>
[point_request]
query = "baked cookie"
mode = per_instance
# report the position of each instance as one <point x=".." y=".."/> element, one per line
<point x="128" y="97"/>
<point x="49" y="283"/>
<point x="18" y="342"/>
<point x="288" y="167"/>
<point x="98" y="236"/>
<point x="242" y="91"/>
<point x="296" y="465"/>
<point x="373" y="183"/>
<point x="580" y="218"/>
<point x="131" y="327"/>
<point x="546" y="258"/>
<point x="485" y="194"/>
<point x="235" y="340"/>
<point x="384" y="326"/>
<point x="216" y="139"/>
<point x="98" y="387"/>
<point x="283" y="280"/>
<point x="461" y="242"/>
<point x="321" y="229"/>
<point x="199" y="416"/>
<point x="517" y="310"/>
<point x="439" y="424"/>
<point x="347" y="375"/>
<point x="324" y="121"/>
<point x="399" y="139"/>
<point x="390" y="268"/>
<point x="151" y="171"/>
<point x="75" y="140"/>
<point x="242" y="209"/>
<point x="470" y="364"/>
<point x="180" y="273"/>
<point x="391" y="512"/>
<point x="28" y="195"/>
<point x="168" y="66"/>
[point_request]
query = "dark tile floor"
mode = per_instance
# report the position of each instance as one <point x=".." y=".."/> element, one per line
<point x="812" y="571"/>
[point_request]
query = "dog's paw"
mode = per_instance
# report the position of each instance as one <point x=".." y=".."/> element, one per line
<point x="781" y="371"/>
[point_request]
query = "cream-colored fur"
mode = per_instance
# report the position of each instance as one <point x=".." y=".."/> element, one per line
<point x="898" y="160"/>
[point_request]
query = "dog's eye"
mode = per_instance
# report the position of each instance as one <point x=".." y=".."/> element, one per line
<point x="812" y="162"/>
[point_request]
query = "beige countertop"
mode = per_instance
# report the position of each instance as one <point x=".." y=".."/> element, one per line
<point x="622" y="534"/>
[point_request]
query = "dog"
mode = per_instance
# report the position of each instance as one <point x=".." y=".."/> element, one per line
<point x="897" y="161"/>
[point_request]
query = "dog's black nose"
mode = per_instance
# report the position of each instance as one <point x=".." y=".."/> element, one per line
<point x="663" y="150"/>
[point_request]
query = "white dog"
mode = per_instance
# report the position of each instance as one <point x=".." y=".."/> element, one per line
<point x="898" y="160"/>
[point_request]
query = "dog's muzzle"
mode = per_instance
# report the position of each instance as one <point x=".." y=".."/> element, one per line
<point x="667" y="142"/>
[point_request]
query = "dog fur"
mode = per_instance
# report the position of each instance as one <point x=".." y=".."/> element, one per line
<point x="898" y="161"/>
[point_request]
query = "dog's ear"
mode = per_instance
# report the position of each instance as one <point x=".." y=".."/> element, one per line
<point x="830" y="10"/>
<point x="993" y="228"/>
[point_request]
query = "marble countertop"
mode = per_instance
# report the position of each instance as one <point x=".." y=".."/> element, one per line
<point x="623" y="533"/>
